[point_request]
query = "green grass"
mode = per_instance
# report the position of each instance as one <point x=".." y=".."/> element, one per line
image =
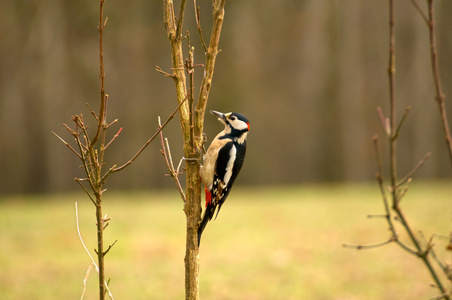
<point x="267" y="243"/>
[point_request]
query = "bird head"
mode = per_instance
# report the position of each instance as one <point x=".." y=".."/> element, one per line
<point x="233" y="122"/>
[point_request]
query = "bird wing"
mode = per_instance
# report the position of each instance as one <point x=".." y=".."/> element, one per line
<point x="222" y="175"/>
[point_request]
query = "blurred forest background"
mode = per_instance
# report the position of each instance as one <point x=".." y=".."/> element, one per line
<point x="308" y="74"/>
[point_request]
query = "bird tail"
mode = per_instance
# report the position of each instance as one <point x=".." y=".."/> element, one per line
<point x="208" y="214"/>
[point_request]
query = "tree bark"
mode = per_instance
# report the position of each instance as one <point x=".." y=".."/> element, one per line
<point x="192" y="123"/>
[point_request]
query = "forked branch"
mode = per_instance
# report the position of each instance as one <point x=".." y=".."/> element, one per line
<point x="191" y="120"/>
<point x="91" y="152"/>
<point x="397" y="189"/>
<point x="439" y="94"/>
<point x="130" y="161"/>
<point x="174" y="173"/>
<point x="440" y="97"/>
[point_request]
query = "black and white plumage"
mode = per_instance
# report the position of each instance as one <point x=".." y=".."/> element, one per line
<point x="222" y="163"/>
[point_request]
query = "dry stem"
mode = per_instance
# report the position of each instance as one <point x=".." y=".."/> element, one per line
<point x="191" y="121"/>
<point x="91" y="152"/>
<point x="93" y="262"/>
<point x="166" y="152"/>
<point x="398" y="189"/>
<point x="395" y="188"/>
<point x="439" y="95"/>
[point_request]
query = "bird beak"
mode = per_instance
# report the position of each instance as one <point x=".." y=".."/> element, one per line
<point x="221" y="116"/>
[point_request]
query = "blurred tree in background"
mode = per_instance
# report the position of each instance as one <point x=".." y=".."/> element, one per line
<point x="307" y="73"/>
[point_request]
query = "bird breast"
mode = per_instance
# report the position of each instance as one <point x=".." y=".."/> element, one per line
<point x="207" y="170"/>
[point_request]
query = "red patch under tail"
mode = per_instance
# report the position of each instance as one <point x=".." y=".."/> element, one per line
<point x="208" y="197"/>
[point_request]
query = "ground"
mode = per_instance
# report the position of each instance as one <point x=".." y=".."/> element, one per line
<point x="267" y="243"/>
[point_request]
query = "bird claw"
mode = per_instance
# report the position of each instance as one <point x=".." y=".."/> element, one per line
<point x="190" y="159"/>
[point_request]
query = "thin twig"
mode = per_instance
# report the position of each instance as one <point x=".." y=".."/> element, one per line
<point x="198" y="24"/>
<point x="376" y="216"/>
<point x="381" y="183"/>
<point x="395" y="191"/>
<point x="81" y="239"/>
<point x="103" y="97"/>
<point x="439" y="95"/>
<point x="111" y="123"/>
<point x="114" y="137"/>
<point x="109" y="246"/>
<point x="87" y="165"/>
<point x="380" y="180"/>
<point x="169" y="154"/>
<point x="93" y="113"/>
<point x="384" y="121"/>
<point x="446" y="268"/>
<point x="398" y="189"/>
<point x="211" y="55"/>
<point x="190" y="69"/>
<point x="85" y="280"/>
<point x="169" y="163"/>
<point x="67" y="144"/>
<point x="93" y="262"/>
<point x="158" y="69"/>
<point x="130" y="161"/>
<point x="191" y="121"/>
<point x="86" y="191"/>
<point x="415" y="169"/>
<point x="419" y="9"/>
<point x="362" y="247"/>
<point x="442" y="296"/>
<point x="180" y="21"/>
<point x="402" y="121"/>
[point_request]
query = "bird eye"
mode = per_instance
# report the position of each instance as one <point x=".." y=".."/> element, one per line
<point x="232" y="118"/>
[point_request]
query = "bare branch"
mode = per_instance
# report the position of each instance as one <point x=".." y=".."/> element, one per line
<point x="192" y="121"/>
<point x="421" y="12"/>
<point x="405" y="115"/>
<point x="93" y="262"/>
<point x="398" y="189"/>
<point x="169" y="153"/>
<point x="198" y="24"/>
<point x="415" y="169"/>
<point x="445" y="267"/>
<point x="103" y="96"/>
<point x="114" y="137"/>
<point x="79" y="181"/>
<point x="85" y="280"/>
<point x="439" y="95"/>
<point x="93" y="113"/>
<point x="388" y="215"/>
<point x="361" y="247"/>
<point x="380" y="180"/>
<point x="104" y="177"/>
<point x="180" y="21"/>
<point x="211" y="55"/>
<point x="158" y="69"/>
<point x="384" y="121"/>
<point x="376" y="216"/>
<point x="169" y="163"/>
<point x="81" y="239"/>
<point x="67" y="144"/>
<point x="111" y="123"/>
<point x="109" y="247"/>
<point x="130" y="161"/>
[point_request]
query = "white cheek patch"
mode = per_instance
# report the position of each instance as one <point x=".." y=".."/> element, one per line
<point x="239" y="125"/>
<point x="230" y="165"/>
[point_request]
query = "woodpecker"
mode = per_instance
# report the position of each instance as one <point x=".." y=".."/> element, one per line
<point x="222" y="163"/>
